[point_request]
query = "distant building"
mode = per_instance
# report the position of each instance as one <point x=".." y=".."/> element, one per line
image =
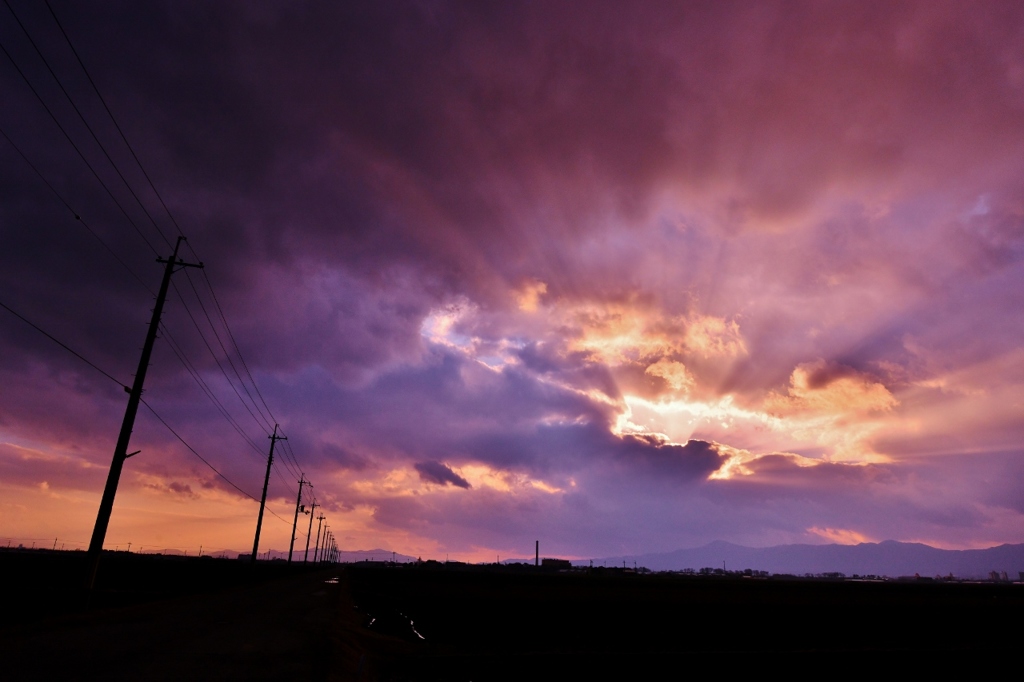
<point x="556" y="564"/>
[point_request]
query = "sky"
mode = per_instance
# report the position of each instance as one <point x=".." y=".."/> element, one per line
<point x="617" y="278"/>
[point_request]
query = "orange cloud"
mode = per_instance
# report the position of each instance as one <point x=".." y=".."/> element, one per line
<point x="840" y="536"/>
<point x="618" y="334"/>
<point x="674" y="373"/>
<point x="817" y="388"/>
<point x="528" y="297"/>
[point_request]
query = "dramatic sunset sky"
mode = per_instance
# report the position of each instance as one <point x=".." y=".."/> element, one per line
<point x="618" y="277"/>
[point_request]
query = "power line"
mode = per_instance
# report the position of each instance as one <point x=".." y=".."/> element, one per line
<point x="288" y="455"/>
<point x="205" y="388"/>
<point x="175" y="348"/>
<point x="112" y="378"/>
<point x="193" y="451"/>
<point x="281" y="476"/>
<point x="85" y="122"/>
<point x="60" y="343"/>
<point x="156" y="192"/>
<point x="235" y="343"/>
<point x="203" y="459"/>
<point x="75" y="213"/>
<point x="79" y="151"/>
<point x="214" y="355"/>
<point x="227" y="356"/>
<point x="170" y="215"/>
<point x="291" y="456"/>
<point x="288" y="460"/>
<point x="114" y="121"/>
<point x="120" y="174"/>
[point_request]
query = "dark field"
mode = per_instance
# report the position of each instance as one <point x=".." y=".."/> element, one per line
<point x="515" y="624"/>
<point x="172" y="618"/>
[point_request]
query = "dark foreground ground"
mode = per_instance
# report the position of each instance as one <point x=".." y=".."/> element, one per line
<point x="168" y="618"/>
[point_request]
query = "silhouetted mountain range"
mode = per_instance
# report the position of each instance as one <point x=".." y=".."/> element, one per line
<point x="888" y="558"/>
<point x="351" y="556"/>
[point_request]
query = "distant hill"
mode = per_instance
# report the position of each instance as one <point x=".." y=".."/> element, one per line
<point x="353" y="556"/>
<point x="888" y="558"/>
<point x="343" y="556"/>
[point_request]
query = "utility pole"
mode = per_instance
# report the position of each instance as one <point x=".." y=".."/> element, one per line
<point x="99" y="531"/>
<point x="263" y="501"/>
<point x="319" y="523"/>
<point x="295" y="521"/>
<point x="309" y="533"/>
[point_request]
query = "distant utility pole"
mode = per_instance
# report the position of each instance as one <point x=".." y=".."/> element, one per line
<point x="295" y="522"/>
<point x="309" y="533"/>
<point x="319" y="523"/>
<point x="99" y="531"/>
<point x="263" y="501"/>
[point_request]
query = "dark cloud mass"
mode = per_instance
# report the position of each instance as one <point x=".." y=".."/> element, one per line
<point x="642" y="276"/>
<point x="441" y="474"/>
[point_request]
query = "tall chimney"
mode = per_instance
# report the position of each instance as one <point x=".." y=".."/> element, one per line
<point x="536" y="556"/>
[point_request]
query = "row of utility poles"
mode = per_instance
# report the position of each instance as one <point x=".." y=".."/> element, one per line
<point x="326" y="551"/>
<point x="328" y="548"/>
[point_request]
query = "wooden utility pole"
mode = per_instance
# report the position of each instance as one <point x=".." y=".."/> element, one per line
<point x="309" y="533"/>
<point x="295" y="522"/>
<point x="319" y="523"/>
<point x="263" y="501"/>
<point x="99" y="531"/>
